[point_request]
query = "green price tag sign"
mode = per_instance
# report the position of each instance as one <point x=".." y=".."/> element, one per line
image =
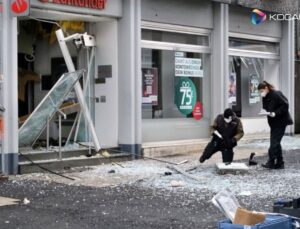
<point x="185" y="95"/>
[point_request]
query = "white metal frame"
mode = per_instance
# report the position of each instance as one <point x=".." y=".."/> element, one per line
<point x="175" y="28"/>
<point x="254" y="37"/>
<point x="70" y="65"/>
<point x="176" y="46"/>
<point x="254" y="54"/>
<point x="250" y="53"/>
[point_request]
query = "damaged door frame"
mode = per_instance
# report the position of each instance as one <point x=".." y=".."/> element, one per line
<point x="70" y="65"/>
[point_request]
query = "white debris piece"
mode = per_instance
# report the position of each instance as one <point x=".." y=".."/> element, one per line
<point x="175" y="183"/>
<point x="245" y="193"/>
<point x="235" y="168"/>
<point x="26" y="201"/>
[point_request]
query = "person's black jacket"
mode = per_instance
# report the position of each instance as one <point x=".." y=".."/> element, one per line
<point x="276" y="102"/>
<point x="231" y="132"/>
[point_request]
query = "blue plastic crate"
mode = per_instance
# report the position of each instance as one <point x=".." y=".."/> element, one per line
<point x="271" y="222"/>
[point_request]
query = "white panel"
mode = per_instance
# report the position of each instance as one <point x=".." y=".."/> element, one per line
<point x="106" y="114"/>
<point x="174" y="129"/>
<point x="180" y="12"/>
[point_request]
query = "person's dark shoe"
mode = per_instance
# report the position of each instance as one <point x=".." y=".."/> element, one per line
<point x="269" y="165"/>
<point x="251" y="160"/>
<point x="202" y="159"/>
<point x="279" y="165"/>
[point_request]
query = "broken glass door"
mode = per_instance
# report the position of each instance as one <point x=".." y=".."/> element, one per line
<point x="37" y="121"/>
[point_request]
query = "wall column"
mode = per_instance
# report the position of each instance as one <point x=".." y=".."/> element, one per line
<point x="10" y="148"/>
<point x="130" y="80"/>
<point x="287" y="60"/>
<point x="219" y="93"/>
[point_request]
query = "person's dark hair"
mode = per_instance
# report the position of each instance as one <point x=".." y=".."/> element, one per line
<point x="228" y="113"/>
<point x="265" y="84"/>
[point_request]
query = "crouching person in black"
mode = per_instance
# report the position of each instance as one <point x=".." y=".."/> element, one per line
<point x="227" y="130"/>
<point x="276" y="107"/>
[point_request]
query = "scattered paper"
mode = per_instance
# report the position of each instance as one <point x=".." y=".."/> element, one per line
<point x="264" y="113"/>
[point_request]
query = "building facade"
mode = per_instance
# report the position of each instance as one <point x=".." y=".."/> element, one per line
<point x="174" y="66"/>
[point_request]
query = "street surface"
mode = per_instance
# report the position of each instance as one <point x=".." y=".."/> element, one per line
<point x="138" y="194"/>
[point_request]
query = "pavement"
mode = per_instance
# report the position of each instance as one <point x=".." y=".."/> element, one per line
<point x="138" y="194"/>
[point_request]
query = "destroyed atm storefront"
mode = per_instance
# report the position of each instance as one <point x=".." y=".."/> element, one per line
<point x="35" y="63"/>
<point x="162" y="69"/>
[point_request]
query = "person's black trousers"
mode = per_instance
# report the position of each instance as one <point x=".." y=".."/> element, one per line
<point x="216" y="145"/>
<point x="275" y="150"/>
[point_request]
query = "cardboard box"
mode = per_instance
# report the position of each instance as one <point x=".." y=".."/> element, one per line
<point x="245" y="217"/>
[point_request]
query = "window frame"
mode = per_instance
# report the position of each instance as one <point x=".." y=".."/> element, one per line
<point x="250" y="53"/>
<point x="175" y="46"/>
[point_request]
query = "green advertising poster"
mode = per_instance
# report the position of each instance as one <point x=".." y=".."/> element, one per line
<point x="185" y="95"/>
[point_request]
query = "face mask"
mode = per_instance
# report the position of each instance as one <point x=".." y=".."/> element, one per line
<point x="263" y="94"/>
<point x="228" y="120"/>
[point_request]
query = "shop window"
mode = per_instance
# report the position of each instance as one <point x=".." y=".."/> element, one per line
<point x="171" y="37"/>
<point x="173" y="83"/>
<point x="176" y="83"/>
<point x="250" y="62"/>
<point x="245" y="73"/>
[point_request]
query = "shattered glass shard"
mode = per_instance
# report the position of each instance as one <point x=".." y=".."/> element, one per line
<point x="37" y="121"/>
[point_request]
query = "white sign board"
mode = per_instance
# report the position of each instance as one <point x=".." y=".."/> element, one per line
<point x="188" y="67"/>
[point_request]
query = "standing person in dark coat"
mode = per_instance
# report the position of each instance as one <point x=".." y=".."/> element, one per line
<point x="227" y="130"/>
<point x="276" y="107"/>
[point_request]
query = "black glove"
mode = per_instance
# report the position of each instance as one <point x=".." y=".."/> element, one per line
<point x="231" y="143"/>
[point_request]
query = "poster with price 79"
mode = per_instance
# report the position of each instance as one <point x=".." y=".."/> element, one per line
<point x="185" y="95"/>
